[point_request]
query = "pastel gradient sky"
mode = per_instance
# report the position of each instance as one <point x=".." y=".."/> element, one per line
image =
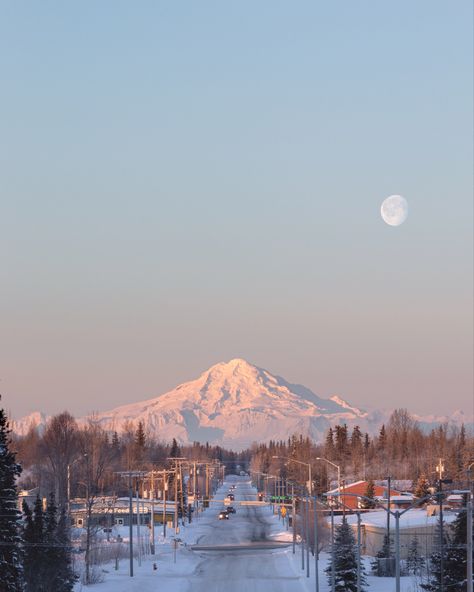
<point x="187" y="182"/>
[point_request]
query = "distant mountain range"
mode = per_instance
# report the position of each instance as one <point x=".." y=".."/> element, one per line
<point x="234" y="404"/>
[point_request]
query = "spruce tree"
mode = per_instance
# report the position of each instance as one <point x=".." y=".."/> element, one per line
<point x="47" y="559"/>
<point x="11" y="571"/>
<point x="29" y="542"/>
<point x="414" y="562"/>
<point x="50" y="552"/>
<point x="369" y="493"/>
<point x="65" y="576"/>
<point x="382" y="439"/>
<point x="454" y="566"/>
<point x="456" y="560"/>
<point x="381" y="566"/>
<point x="34" y="553"/>
<point x="345" y="552"/>
<point x="175" y="450"/>
<point x="329" y="448"/>
<point x="422" y="488"/>
<point x="140" y="437"/>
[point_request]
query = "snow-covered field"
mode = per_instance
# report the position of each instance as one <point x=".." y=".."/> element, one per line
<point x="246" y="566"/>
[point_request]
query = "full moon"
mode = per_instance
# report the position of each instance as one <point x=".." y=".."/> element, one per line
<point x="394" y="210"/>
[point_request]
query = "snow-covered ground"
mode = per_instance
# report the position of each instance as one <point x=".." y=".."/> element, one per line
<point x="242" y="557"/>
<point x="411" y="519"/>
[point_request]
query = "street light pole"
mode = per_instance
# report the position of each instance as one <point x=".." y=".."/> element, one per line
<point x="316" y="542"/>
<point x="338" y="471"/>
<point x="389" y="485"/>
<point x="469" y="531"/>
<point x="333" y="554"/>
<point x="300" y="462"/>
<point x="397" y="516"/>
<point x="68" y="481"/>
<point x="307" y="535"/>
<point x="397" y="551"/>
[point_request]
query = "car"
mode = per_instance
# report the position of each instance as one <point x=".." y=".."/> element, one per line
<point x="223" y="515"/>
<point x="231" y="497"/>
<point x="230" y="510"/>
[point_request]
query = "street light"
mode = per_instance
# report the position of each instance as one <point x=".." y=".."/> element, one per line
<point x="338" y="471"/>
<point x="68" y="493"/>
<point x="397" y="514"/>
<point x="300" y="462"/>
<point x="469" y="530"/>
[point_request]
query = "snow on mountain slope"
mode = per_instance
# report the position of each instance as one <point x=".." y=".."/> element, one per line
<point x="234" y="404"/>
<point x="33" y="420"/>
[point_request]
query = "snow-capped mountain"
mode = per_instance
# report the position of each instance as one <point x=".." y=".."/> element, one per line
<point x="234" y="404"/>
<point x="33" y="420"/>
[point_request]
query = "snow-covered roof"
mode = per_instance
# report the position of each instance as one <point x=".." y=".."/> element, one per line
<point x="345" y="488"/>
<point x="410" y="519"/>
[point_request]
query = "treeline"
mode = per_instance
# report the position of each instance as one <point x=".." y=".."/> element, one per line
<point x="93" y="456"/>
<point x="401" y="449"/>
<point x="87" y="459"/>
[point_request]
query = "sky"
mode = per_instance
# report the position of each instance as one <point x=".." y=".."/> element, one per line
<point x="183" y="183"/>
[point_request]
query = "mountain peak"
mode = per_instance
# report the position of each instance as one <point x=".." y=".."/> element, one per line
<point x="233" y="404"/>
<point x="234" y="364"/>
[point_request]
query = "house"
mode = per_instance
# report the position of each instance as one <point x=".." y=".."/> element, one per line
<point x="29" y="496"/>
<point x="351" y="494"/>
<point x="399" y="502"/>
<point x="454" y="501"/>
<point x="415" y="524"/>
<point x="116" y="512"/>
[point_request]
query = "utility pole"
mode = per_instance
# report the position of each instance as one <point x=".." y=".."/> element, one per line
<point x="293" y="517"/>
<point x="181" y="489"/>
<point x="469" y="531"/>
<point x="333" y="553"/>
<point x="152" y="531"/>
<point x="316" y="543"/>
<point x="165" y="489"/>
<point x="176" y="527"/>
<point x="131" y="475"/>
<point x="397" y="551"/>
<point x="441" y="532"/>
<point x="359" y="558"/>
<point x="441" y="527"/>
<point x="130" y="515"/>
<point x="389" y="486"/>
<point x="302" y="530"/>
<point x="307" y="535"/>
<point x="138" y="526"/>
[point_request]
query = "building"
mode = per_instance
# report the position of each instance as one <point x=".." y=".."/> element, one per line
<point x="415" y="524"/>
<point x="29" y="496"/>
<point x="108" y="512"/>
<point x="351" y="494"/>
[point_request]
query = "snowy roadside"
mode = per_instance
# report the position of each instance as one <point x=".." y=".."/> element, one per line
<point x="168" y="569"/>
<point x="280" y="532"/>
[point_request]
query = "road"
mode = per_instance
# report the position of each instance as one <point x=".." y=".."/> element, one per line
<point x="236" y="554"/>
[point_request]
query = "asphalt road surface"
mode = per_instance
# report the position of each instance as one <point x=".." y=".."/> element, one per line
<point x="236" y="555"/>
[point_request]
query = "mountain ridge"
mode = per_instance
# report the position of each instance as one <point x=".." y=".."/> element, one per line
<point x="234" y="404"/>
